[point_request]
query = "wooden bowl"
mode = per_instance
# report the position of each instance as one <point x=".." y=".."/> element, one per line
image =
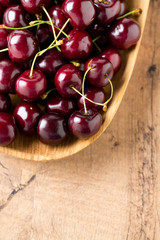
<point x="32" y="149"/>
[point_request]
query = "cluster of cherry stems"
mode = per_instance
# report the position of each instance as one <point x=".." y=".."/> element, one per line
<point x="92" y="25"/>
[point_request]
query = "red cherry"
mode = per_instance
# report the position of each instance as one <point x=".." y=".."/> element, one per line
<point x="81" y="12"/>
<point x="52" y="128"/>
<point x="8" y="3"/>
<point x="78" y="46"/>
<point x="85" y="126"/>
<point x="31" y="88"/>
<point x="27" y="116"/>
<point x="5" y="102"/>
<point x="35" y="6"/>
<point x="7" y="129"/>
<point x="114" y="57"/>
<point x="124" y="33"/>
<point x="3" y="38"/>
<point x="66" y="77"/>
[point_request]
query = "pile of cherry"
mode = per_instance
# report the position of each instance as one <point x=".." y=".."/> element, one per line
<point x="58" y="56"/>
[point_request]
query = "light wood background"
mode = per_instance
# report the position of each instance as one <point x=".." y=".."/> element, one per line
<point x="109" y="191"/>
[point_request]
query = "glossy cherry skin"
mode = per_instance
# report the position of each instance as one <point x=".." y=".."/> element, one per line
<point x="114" y="57"/>
<point x="35" y="6"/>
<point x="8" y="3"/>
<point x="106" y="11"/>
<point x="66" y="77"/>
<point x="124" y="7"/>
<point x="7" y="129"/>
<point x="85" y="126"/>
<point x="95" y="94"/>
<point x="50" y="62"/>
<point x="16" y="17"/>
<point x="52" y="128"/>
<point x="44" y="35"/>
<point x="58" y="18"/>
<point x="59" y="104"/>
<point x="78" y="46"/>
<point x="81" y="12"/>
<point x="31" y="89"/>
<point x="97" y="75"/>
<point x="27" y="116"/>
<point x="3" y="38"/>
<point x="124" y="33"/>
<point x="9" y="72"/>
<point x="22" y="45"/>
<point x="5" y="102"/>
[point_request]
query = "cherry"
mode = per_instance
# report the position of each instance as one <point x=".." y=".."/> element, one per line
<point x="59" y="18"/>
<point x="9" y="72"/>
<point x="81" y="12"/>
<point x="31" y="88"/>
<point x="15" y="17"/>
<point x="50" y="62"/>
<point x="124" y="33"/>
<point x="35" y="6"/>
<point x="27" y="116"/>
<point x="97" y="30"/>
<point x="124" y="7"/>
<point x="3" y="38"/>
<point x="44" y="35"/>
<point x="5" y="102"/>
<point x="59" y="104"/>
<point x="8" y="3"/>
<point x="22" y="45"/>
<point x="106" y="11"/>
<point x="7" y="128"/>
<point x="68" y="76"/>
<point x="52" y="128"/>
<point x="97" y="75"/>
<point x="114" y="57"/>
<point x="84" y="126"/>
<point x="78" y="46"/>
<point x="95" y="94"/>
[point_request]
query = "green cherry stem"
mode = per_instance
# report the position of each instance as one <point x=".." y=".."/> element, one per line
<point x="95" y="39"/>
<point x="45" y="95"/>
<point x="4" y="50"/>
<point x="134" y="12"/>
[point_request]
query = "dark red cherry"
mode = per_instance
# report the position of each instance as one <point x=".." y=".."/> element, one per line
<point x="50" y="62"/>
<point x="124" y="33"/>
<point x="5" y="102"/>
<point x="52" y="128"/>
<point x="35" y="6"/>
<point x="22" y="45"/>
<point x="124" y="7"/>
<point x="16" y="17"/>
<point x="97" y="75"/>
<point x="95" y="94"/>
<point x="8" y="3"/>
<point x="68" y="76"/>
<point x="3" y="38"/>
<point x="97" y="30"/>
<point x="81" y="12"/>
<point x="106" y="11"/>
<point x="78" y="46"/>
<point x="2" y="12"/>
<point x="58" y="18"/>
<point x="114" y="57"/>
<point x="7" y="129"/>
<point x="9" y="72"/>
<point x="59" y="104"/>
<point x="44" y="35"/>
<point x="85" y="126"/>
<point x="31" y="88"/>
<point x="27" y="116"/>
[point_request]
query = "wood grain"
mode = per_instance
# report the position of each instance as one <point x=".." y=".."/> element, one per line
<point x="24" y="147"/>
<point x="110" y="190"/>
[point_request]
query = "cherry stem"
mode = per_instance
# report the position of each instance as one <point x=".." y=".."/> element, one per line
<point x="54" y="33"/>
<point x="4" y="50"/>
<point x="96" y="45"/>
<point x="45" y="95"/>
<point x="104" y="105"/>
<point x="95" y="39"/>
<point x="134" y="12"/>
<point x="60" y="42"/>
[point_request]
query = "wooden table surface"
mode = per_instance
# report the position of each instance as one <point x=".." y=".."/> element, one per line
<point x="109" y="191"/>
